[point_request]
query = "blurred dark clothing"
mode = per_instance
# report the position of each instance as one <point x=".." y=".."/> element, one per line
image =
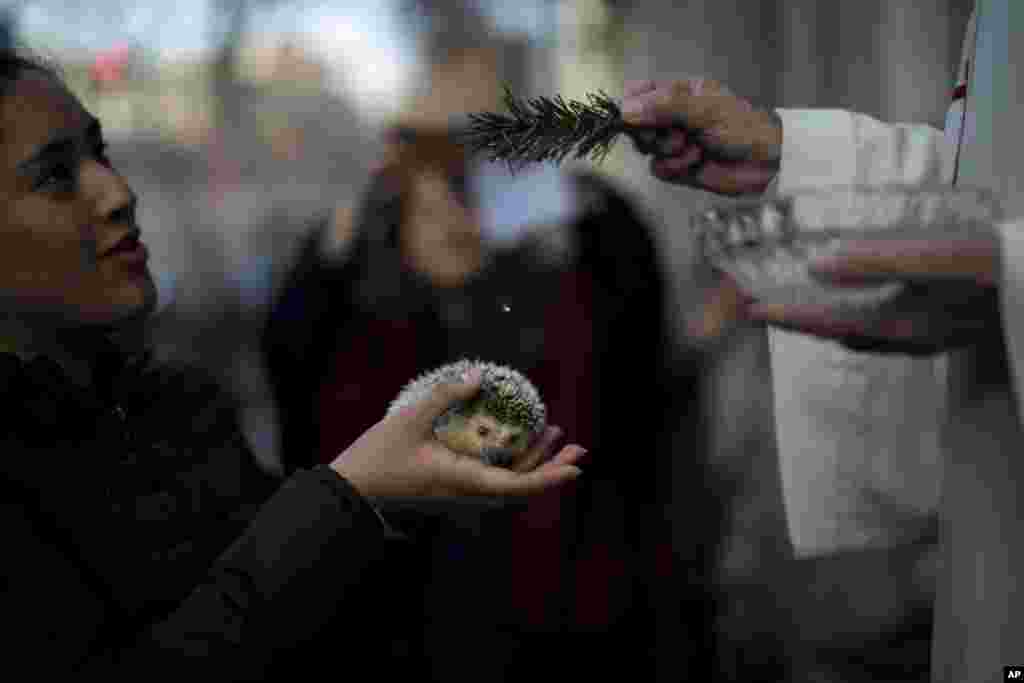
<point x="577" y="578"/>
<point x="143" y="542"/>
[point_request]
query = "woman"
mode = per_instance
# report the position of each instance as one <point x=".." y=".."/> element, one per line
<point x="141" y="539"/>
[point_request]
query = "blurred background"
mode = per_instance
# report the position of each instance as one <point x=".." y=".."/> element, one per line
<point x="237" y="121"/>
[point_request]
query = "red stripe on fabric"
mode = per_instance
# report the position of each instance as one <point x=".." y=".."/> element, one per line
<point x="960" y="92"/>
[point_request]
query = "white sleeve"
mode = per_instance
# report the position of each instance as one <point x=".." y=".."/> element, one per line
<point x="835" y="147"/>
<point x="851" y="425"/>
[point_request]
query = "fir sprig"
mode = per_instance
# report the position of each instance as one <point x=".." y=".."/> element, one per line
<point x="546" y="129"/>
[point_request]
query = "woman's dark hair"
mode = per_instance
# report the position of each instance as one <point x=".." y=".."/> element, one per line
<point x="15" y="61"/>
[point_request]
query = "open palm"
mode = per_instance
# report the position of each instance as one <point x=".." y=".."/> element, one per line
<point x="400" y="458"/>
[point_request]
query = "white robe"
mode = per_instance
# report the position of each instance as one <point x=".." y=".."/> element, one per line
<point x="839" y="412"/>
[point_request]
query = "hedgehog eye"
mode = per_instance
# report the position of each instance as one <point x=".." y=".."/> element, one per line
<point x="482" y="430"/>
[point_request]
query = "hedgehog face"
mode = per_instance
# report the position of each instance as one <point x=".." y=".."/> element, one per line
<point x="491" y="433"/>
<point x="484" y="436"/>
<point x="496" y="442"/>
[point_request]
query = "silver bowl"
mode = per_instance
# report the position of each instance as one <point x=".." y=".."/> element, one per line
<point x="765" y="245"/>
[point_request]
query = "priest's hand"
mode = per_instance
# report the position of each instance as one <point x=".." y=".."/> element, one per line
<point x="702" y="135"/>
<point x="951" y="298"/>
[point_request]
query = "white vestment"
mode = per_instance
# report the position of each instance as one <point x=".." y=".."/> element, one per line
<point x="840" y="413"/>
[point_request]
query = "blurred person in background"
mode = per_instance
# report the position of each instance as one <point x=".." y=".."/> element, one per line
<point x="141" y="539"/>
<point x="557" y="276"/>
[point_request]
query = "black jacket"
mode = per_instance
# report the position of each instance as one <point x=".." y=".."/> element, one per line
<point x="142" y="541"/>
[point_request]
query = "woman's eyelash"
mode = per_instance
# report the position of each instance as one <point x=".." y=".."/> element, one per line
<point x="101" y="151"/>
<point x="63" y="174"/>
<point x="58" y="174"/>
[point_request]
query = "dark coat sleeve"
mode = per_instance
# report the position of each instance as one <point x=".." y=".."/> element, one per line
<point x="306" y="549"/>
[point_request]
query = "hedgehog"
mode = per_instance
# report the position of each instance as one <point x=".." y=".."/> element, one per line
<point x="502" y="421"/>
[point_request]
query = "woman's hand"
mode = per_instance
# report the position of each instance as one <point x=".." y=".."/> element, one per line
<point x="703" y="136"/>
<point x="400" y="458"/>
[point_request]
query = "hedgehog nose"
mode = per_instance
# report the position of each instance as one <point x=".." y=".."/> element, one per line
<point x="498" y="456"/>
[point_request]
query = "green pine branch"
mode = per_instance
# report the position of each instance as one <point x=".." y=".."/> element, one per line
<point x="546" y="129"/>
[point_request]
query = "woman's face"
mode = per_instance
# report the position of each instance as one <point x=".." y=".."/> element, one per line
<point x="441" y="234"/>
<point x="69" y="252"/>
